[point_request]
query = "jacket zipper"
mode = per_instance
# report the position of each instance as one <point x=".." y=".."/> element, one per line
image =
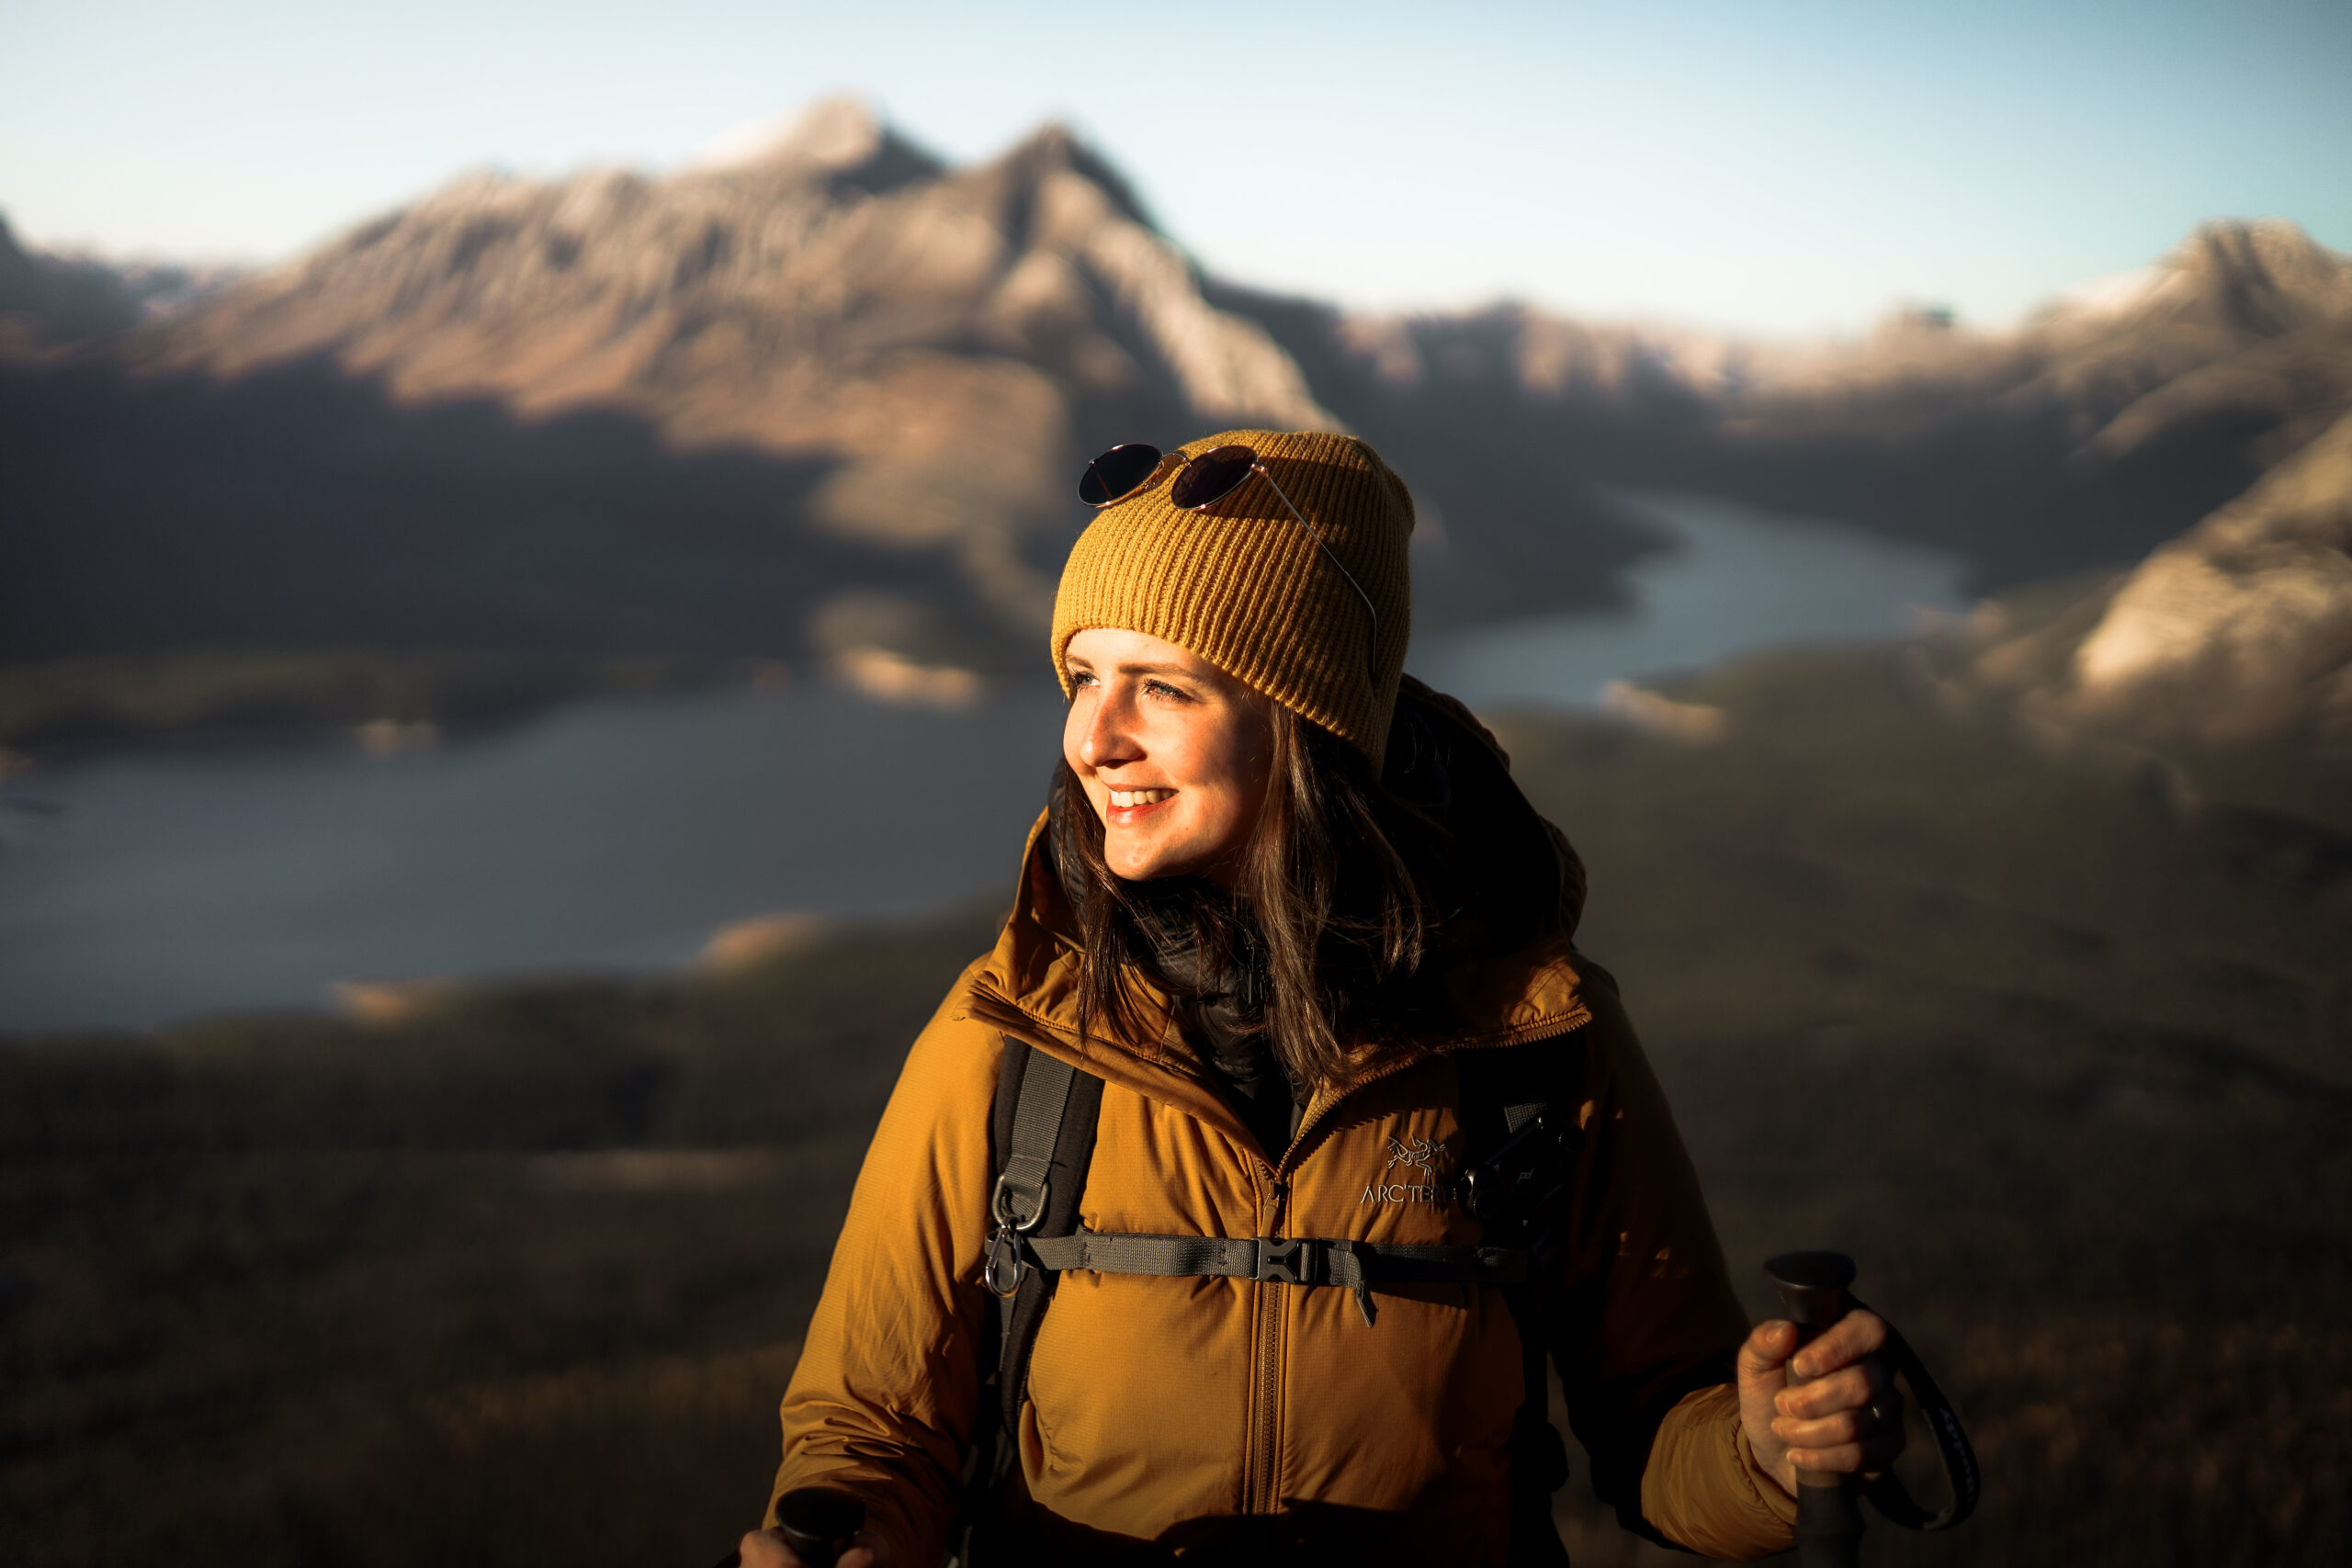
<point x="1260" y="1490"/>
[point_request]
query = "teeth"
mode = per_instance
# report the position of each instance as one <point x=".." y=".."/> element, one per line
<point x="1139" y="797"/>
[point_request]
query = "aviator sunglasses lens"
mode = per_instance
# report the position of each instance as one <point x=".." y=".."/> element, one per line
<point x="1212" y="476"/>
<point x="1118" y="473"/>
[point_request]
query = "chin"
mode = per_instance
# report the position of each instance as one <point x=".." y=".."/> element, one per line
<point x="1143" y="869"/>
<point x="1150" y="866"/>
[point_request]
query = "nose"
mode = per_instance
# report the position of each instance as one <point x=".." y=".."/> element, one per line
<point x="1108" y="739"/>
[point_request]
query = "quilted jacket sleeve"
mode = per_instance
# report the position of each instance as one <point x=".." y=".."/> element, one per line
<point x="1645" y="1339"/>
<point x="884" y="1400"/>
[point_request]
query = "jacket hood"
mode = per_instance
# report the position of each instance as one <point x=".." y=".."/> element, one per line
<point x="1508" y="971"/>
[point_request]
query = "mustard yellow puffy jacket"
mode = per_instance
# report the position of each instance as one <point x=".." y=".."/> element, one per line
<point x="1164" y="1411"/>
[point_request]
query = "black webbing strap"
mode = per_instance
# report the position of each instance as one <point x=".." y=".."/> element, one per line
<point x="1503" y="1094"/>
<point x="1042" y="1131"/>
<point x="1019" y="1200"/>
<point x="1288" y="1260"/>
<point x="1043" y="1116"/>
<point x="1887" y="1494"/>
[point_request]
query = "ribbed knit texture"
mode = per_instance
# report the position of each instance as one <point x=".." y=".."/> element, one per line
<point x="1239" y="584"/>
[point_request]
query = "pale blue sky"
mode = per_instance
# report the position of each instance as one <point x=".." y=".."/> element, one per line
<point x="1773" y="166"/>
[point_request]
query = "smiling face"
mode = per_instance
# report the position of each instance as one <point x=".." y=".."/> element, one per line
<point x="1172" y="751"/>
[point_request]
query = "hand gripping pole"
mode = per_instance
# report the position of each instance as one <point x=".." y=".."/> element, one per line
<point x="1814" y="1289"/>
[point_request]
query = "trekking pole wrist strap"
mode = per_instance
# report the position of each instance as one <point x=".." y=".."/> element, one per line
<point x="1887" y="1494"/>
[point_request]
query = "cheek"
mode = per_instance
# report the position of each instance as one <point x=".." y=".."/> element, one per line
<point x="1228" y="793"/>
<point x="1242" y="767"/>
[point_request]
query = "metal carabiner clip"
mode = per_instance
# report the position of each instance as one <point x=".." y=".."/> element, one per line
<point x="1003" y="1270"/>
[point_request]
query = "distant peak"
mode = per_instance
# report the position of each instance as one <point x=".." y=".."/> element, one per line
<point x="2267" y="266"/>
<point x="1055" y="147"/>
<point x="2270" y="260"/>
<point x="2262" y="234"/>
<point x="1051" y="141"/>
<point x="2276" y="247"/>
<point x="832" y="133"/>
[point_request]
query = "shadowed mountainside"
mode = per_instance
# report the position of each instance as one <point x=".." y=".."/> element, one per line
<point x="2238" y="632"/>
<point x="61" y="298"/>
<point x="514" y="1275"/>
<point x="45" y="297"/>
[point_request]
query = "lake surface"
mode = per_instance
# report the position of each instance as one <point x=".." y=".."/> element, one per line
<point x="1740" y="579"/>
<point x="620" y="833"/>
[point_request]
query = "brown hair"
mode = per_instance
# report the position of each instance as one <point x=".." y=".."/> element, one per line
<point x="1338" y="902"/>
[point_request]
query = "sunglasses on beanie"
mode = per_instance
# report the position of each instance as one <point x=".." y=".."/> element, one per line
<point x="1201" y="482"/>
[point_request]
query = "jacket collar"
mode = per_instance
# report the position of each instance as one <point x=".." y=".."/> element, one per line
<point x="1027" y="987"/>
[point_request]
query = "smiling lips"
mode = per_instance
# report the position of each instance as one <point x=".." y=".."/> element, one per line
<point x="1127" y="804"/>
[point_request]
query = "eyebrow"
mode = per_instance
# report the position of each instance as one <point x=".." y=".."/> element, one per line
<point x="1176" y="670"/>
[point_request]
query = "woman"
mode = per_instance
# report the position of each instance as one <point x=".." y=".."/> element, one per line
<point x="1287" y="905"/>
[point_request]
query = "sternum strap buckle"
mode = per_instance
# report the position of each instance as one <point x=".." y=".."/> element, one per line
<point x="1287" y="1261"/>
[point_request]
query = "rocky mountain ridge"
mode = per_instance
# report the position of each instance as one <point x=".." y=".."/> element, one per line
<point x="2108" y="422"/>
<point x="940" y="334"/>
<point x="825" y="397"/>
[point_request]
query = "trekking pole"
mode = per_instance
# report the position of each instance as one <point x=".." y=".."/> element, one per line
<point x="816" y="1522"/>
<point x="1829" y="1516"/>
<point x="1829" y="1510"/>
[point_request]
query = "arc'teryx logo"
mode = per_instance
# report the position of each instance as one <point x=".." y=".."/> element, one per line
<point x="1418" y="1156"/>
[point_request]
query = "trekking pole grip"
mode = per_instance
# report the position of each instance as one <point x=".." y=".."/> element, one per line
<point x="816" y="1522"/>
<point x="1829" y="1513"/>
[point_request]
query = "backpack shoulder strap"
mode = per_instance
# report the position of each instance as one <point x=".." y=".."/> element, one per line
<point x="1042" y="1143"/>
<point x="1518" y="1145"/>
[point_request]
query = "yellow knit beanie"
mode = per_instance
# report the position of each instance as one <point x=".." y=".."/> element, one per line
<point x="1238" y="584"/>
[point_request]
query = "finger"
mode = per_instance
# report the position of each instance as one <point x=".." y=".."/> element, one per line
<point x="766" y="1548"/>
<point x="1850" y="1340"/>
<point x="1768" y="1350"/>
<point x="1876" y="1428"/>
<point x="1848" y="1389"/>
<point x="862" y="1557"/>
<point x="1825" y="1431"/>
<point x="1840" y="1459"/>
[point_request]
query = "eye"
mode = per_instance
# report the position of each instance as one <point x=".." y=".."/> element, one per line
<point x="1079" y="678"/>
<point x="1162" y="689"/>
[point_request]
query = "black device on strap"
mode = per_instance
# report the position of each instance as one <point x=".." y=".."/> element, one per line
<point x="1514" y="1169"/>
